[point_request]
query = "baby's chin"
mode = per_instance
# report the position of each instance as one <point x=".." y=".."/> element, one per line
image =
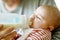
<point x="50" y="28"/>
<point x="46" y="28"/>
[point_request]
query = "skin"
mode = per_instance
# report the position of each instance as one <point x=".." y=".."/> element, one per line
<point x="1" y="27"/>
<point x="4" y="31"/>
<point x="11" y="3"/>
<point x="46" y="17"/>
<point x="10" y="36"/>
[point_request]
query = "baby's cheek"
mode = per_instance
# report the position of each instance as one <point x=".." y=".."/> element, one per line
<point x="40" y="23"/>
<point x="36" y="23"/>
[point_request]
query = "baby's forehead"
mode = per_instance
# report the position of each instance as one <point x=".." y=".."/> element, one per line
<point x="46" y="10"/>
<point x="40" y="12"/>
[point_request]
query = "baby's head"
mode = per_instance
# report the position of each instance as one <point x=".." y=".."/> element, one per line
<point x="46" y="17"/>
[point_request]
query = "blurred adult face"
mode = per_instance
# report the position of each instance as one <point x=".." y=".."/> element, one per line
<point x="11" y="2"/>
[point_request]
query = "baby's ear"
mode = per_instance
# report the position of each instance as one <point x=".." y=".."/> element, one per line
<point x="51" y="28"/>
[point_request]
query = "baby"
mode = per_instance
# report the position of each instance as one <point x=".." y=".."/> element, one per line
<point x="44" y="20"/>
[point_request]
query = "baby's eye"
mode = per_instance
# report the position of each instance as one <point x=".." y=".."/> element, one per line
<point x="38" y="17"/>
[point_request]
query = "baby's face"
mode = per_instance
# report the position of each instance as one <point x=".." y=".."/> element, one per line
<point x="46" y="17"/>
<point x="42" y="20"/>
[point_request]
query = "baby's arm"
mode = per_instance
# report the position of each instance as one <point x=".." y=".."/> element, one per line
<point x="39" y="35"/>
